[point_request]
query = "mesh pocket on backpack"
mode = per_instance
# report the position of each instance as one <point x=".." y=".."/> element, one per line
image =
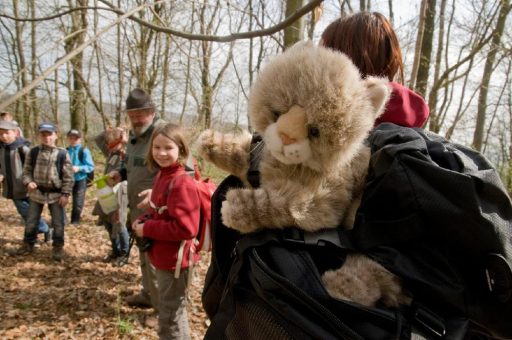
<point x="255" y="320"/>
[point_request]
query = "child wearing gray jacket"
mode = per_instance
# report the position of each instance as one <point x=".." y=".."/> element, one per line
<point x="13" y="151"/>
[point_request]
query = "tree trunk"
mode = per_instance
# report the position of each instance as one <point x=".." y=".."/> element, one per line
<point x="391" y="12"/>
<point x="432" y="98"/>
<point x="417" y="46"/>
<point x="33" y="97"/>
<point x="77" y="91"/>
<point x="120" y="59"/>
<point x="426" y="48"/>
<point x="294" y="32"/>
<point x="24" y="107"/>
<point x="486" y="77"/>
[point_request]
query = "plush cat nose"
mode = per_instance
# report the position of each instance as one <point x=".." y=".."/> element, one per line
<point x="287" y="140"/>
<point x="291" y="126"/>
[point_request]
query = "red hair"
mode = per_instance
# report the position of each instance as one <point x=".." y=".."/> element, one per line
<point x="370" y="42"/>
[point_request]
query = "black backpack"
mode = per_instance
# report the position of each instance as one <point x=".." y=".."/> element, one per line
<point x="90" y="175"/>
<point x="61" y="159"/>
<point x="434" y="213"/>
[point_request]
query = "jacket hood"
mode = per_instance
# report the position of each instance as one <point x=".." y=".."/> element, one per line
<point x="405" y="108"/>
<point x="19" y="141"/>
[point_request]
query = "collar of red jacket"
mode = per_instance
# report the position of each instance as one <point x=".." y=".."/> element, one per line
<point x="405" y="108"/>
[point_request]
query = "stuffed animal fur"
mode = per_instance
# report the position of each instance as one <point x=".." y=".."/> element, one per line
<point x="313" y="111"/>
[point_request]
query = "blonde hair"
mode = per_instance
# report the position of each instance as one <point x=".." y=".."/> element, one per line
<point x="174" y="133"/>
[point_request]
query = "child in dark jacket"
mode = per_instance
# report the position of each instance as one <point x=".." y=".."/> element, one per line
<point x="13" y="151"/>
<point x="48" y="176"/>
<point x="171" y="223"/>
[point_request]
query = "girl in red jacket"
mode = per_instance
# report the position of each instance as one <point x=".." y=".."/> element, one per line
<point x="171" y="223"/>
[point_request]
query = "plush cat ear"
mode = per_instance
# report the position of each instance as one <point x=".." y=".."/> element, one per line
<point x="379" y="92"/>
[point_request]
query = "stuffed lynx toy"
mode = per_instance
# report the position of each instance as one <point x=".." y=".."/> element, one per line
<point x="313" y="111"/>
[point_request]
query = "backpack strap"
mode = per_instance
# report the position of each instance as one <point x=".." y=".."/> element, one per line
<point x="22" y="154"/>
<point x="81" y="154"/>
<point x="34" y="152"/>
<point x="253" y="174"/>
<point x="61" y="159"/>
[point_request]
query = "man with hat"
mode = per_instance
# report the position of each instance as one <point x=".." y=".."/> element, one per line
<point x="83" y="165"/>
<point x="141" y="113"/>
<point x="13" y="151"/>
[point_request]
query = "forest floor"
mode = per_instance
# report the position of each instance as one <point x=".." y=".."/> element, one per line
<point x="81" y="297"/>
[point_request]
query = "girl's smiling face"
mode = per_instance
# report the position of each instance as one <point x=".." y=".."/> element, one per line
<point x="165" y="152"/>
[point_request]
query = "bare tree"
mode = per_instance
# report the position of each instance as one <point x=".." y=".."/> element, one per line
<point x="294" y="32"/>
<point x="432" y="99"/>
<point x="478" y="36"/>
<point x="209" y="24"/>
<point x="33" y="44"/>
<point x="426" y="48"/>
<point x="391" y="12"/>
<point x="76" y="32"/>
<point x="24" y="107"/>
<point x="487" y="73"/>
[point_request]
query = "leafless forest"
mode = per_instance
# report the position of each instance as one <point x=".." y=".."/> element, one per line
<point x="74" y="61"/>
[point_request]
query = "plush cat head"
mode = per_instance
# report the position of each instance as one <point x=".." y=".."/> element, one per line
<point x="312" y="107"/>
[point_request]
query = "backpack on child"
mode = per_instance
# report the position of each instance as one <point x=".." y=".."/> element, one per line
<point x="59" y="162"/>
<point x="205" y="188"/>
<point x="90" y="175"/>
<point x="434" y="213"/>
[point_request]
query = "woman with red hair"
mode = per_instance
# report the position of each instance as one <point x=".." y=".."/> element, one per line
<point x="369" y="40"/>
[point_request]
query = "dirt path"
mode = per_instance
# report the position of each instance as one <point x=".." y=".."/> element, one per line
<point x="80" y="298"/>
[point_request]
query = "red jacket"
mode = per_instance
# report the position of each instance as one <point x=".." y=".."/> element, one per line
<point x="405" y="108"/>
<point x="178" y="218"/>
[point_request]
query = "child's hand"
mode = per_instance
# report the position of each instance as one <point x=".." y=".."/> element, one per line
<point x="138" y="228"/>
<point x="63" y="200"/>
<point x="32" y="186"/>
<point x="114" y="177"/>
<point x="76" y="168"/>
<point x="144" y="204"/>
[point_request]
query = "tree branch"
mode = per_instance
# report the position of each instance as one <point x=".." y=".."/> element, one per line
<point x="66" y="58"/>
<point x="55" y="16"/>
<point x="225" y="38"/>
<point x="190" y="36"/>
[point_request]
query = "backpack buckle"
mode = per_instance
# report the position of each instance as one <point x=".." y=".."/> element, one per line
<point x="320" y="238"/>
<point x="428" y="323"/>
<point x="293" y="235"/>
<point x="498" y="276"/>
<point x="300" y="237"/>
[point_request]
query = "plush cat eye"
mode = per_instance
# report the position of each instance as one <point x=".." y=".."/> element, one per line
<point x="275" y="113"/>
<point x="313" y="131"/>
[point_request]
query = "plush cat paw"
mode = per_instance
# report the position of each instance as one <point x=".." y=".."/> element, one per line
<point x="343" y="284"/>
<point x="236" y="212"/>
<point x="364" y="281"/>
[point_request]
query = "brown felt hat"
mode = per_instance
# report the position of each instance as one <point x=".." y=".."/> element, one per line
<point x="138" y="99"/>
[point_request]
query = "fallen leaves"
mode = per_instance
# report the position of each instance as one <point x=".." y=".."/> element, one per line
<point x="81" y="297"/>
